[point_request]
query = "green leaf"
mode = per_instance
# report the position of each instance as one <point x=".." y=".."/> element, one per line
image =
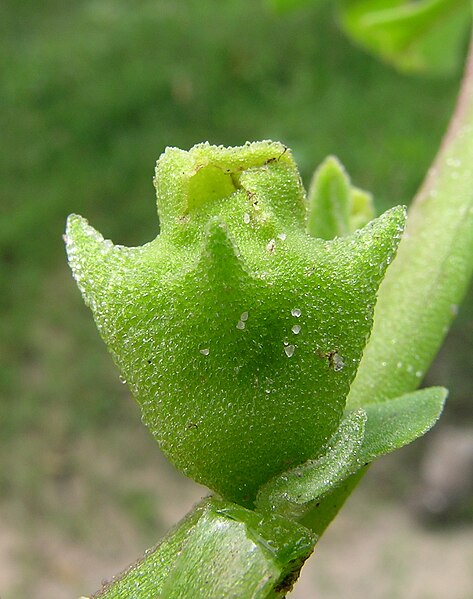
<point x="219" y="550"/>
<point x="335" y="207"/>
<point x="425" y="35"/>
<point x="292" y="493"/>
<point x="329" y="201"/>
<point x="397" y="422"/>
<point x="361" y="208"/>
<point x="238" y="332"/>
<point x="392" y="424"/>
<point x="324" y="511"/>
<point x="362" y="437"/>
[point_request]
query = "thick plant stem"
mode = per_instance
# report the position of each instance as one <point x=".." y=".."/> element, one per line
<point x="219" y="550"/>
<point x="425" y="283"/>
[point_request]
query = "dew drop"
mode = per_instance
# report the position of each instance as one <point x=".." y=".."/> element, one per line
<point x="122" y="380"/>
<point x="240" y="325"/>
<point x="205" y="351"/>
<point x="246" y="218"/>
<point x="296" y="329"/>
<point x="289" y="349"/>
<point x="244" y="316"/>
<point x="296" y="312"/>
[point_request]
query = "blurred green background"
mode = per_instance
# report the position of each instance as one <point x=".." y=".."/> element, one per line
<point x="91" y="93"/>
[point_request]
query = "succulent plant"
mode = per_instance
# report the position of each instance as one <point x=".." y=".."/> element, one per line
<point x="238" y="330"/>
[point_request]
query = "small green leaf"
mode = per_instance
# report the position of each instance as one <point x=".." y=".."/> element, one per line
<point x="329" y="201"/>
<point x="292" y="493"/>
<point x="324" y="511"/>
<point x="246" y="556"/>
<point x="335" y="207"/>
<point x="362" y="437"/>
<point x="394" y="423"/>
<point x="413" y="36"/>
<point x="362" y="208"/>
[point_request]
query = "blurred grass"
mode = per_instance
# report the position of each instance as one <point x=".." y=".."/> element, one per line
<point x="91" y="93"/>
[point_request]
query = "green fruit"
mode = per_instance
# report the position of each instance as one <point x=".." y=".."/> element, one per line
<point x="238" y="332"/>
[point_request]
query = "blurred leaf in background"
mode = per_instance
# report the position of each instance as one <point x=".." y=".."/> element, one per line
<point x="412" y="36"/>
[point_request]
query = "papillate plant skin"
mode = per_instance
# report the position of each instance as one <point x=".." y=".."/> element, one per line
<point x="238" y="331"/>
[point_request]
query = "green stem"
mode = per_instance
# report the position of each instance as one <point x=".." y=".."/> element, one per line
<point x="420" y="294"/>
<point x="219" y="550"/>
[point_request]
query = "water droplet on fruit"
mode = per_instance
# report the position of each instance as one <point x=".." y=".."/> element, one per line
<point x="205" y="351"/>
<point x="289" y="349"/>
<point x="296" y="329"/>
<point x="244" y="316"/>
<point x="240" y="325"/>
<point x="296" y="312"/>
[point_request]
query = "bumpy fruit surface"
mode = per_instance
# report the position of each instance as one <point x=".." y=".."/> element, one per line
<point x="238" y="332"/>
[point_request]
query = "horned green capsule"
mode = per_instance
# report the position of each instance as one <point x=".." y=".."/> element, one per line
<point x="238" y="332"/>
